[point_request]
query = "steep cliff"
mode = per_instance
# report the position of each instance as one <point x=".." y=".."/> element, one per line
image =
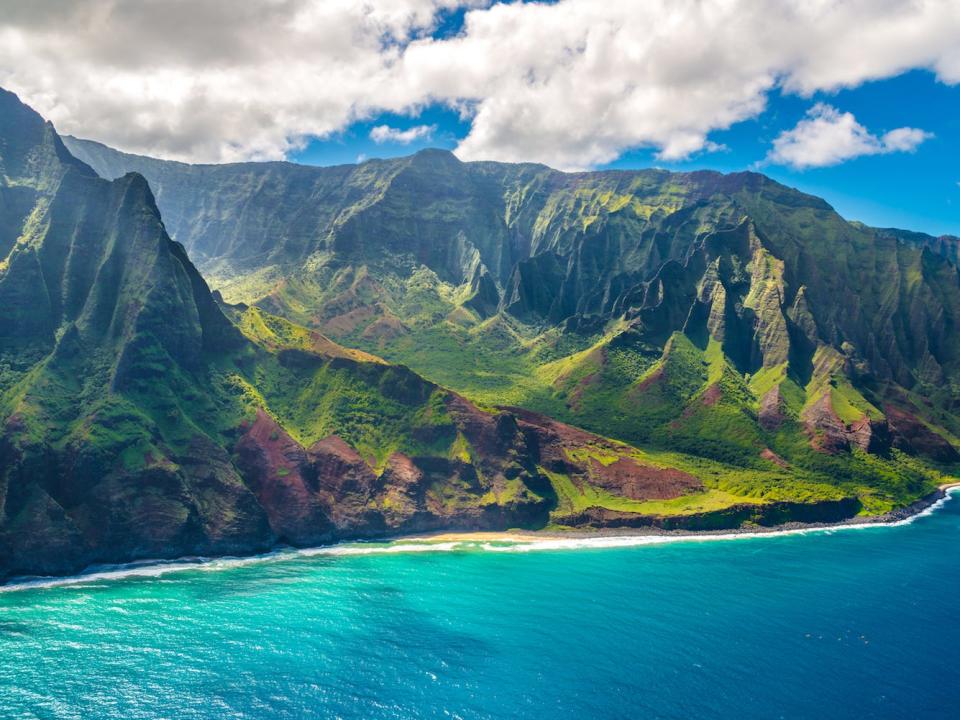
<point x="721" y="318"/>
<point x="142" y="417"/>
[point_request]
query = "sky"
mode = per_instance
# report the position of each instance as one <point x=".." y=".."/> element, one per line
<point x="856" y="101"/>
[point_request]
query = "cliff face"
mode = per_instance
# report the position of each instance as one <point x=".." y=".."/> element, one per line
<point x="98" y="304"/>
<point x="722" y="316"/>
<point x="139" y="421"/>
<point x="573" y="250"/>
<point x="141" y="418"/>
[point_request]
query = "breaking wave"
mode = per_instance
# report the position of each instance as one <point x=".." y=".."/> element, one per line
<point x="518" y="544"/>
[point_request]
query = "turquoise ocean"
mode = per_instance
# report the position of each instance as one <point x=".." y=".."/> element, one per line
<point x="851" y="623"/>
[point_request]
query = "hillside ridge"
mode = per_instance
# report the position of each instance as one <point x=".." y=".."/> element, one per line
<point x="142" y="416"/>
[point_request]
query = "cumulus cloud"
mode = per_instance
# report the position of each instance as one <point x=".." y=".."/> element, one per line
<point x="828" y="137"/>
<point x="206" y="80"/>
<point x="384" y="133"/>
<point x="905" y="139"/>
<point x="572" y="83"/>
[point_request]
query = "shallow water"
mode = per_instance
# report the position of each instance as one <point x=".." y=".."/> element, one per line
<point x="838" y="624"/>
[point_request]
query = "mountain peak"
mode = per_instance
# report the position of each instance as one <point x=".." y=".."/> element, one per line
<point x="435" y="155"/>
<point x="30" y="149"/>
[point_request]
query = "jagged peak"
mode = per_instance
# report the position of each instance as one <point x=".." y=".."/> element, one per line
<point x="137" y="186"/>
<point x="15" y="113"/>
<point x="24" y="134"/>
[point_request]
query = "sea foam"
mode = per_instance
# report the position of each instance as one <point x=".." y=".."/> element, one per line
<point x="158" y="568"/>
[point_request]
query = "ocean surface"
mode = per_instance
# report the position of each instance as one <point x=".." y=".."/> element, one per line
<point x="855" y="623"/>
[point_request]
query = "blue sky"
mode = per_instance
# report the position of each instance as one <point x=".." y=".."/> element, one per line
<point x="854" y="100"/>
<point x="918" y="190"/>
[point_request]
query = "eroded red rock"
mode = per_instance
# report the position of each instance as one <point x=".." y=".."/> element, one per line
<point x="772" y="413"/>
<point x="273" y="463"/>
<point x="768" y="454"/>
<point x="909" y="434"/>
<point x="623" y="476"/>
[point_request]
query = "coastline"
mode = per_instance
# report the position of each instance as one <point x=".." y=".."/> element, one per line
<point x="890" y="519"/>
<point x="498" y="541"/>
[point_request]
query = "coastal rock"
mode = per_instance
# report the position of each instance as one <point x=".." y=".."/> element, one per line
<point x="274" y="465"/>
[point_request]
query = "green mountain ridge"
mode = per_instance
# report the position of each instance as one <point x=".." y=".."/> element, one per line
<point x="142" y="417"/>
<point x="735" y="351"/>
<point x="139" y="420"/>
<point x="725" y="317"/>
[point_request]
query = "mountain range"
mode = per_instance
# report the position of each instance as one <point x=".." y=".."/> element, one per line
<point x="571" y="294"/>
<point x="422" y="344"/>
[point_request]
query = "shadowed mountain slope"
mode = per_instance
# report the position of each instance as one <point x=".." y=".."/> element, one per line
<point x="724" y="317"/>
<point x="140" y="417"/>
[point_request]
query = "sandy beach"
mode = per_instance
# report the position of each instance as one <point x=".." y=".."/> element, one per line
<point x="506" y="540"/>
<point x="532" y="536"/>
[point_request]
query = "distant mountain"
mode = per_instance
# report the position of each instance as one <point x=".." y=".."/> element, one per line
<point x="944" y="245"/>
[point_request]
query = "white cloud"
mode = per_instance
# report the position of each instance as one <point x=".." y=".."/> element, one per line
<point x="384" y="133"/>
<point x="206" y="80"/>
<point x="905" y="139"/>
<point x="828" y="137"/>
<point x="572" y="83"/>
<point x="711" y="147"/>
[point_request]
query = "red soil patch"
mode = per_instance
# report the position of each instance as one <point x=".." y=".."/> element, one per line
<point x="911" y="435"/>
<point x="827" y="432"/>
<point x="630" y="479"/>
<point x="655" y="377"/>
<point x="273" y="463"/>
<point x="625" y="476"/>
<point x="768" y="454"/>
<point x="772" y="415"/>
<point x="712" y="395"/>
<point x="339" y="468"/>
<point x="348" y="321"/>
<point x="387" y="327"/>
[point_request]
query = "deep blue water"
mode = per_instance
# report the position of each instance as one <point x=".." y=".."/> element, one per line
<point x="846" y="624"/>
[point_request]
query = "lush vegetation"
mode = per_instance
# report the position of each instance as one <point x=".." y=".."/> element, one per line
<point x="733" y="345"/>
<point x="735" y="326"/>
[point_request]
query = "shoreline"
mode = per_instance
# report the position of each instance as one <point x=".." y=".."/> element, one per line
<point x="505" y="540"/>
<point x="889" y="519"/>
